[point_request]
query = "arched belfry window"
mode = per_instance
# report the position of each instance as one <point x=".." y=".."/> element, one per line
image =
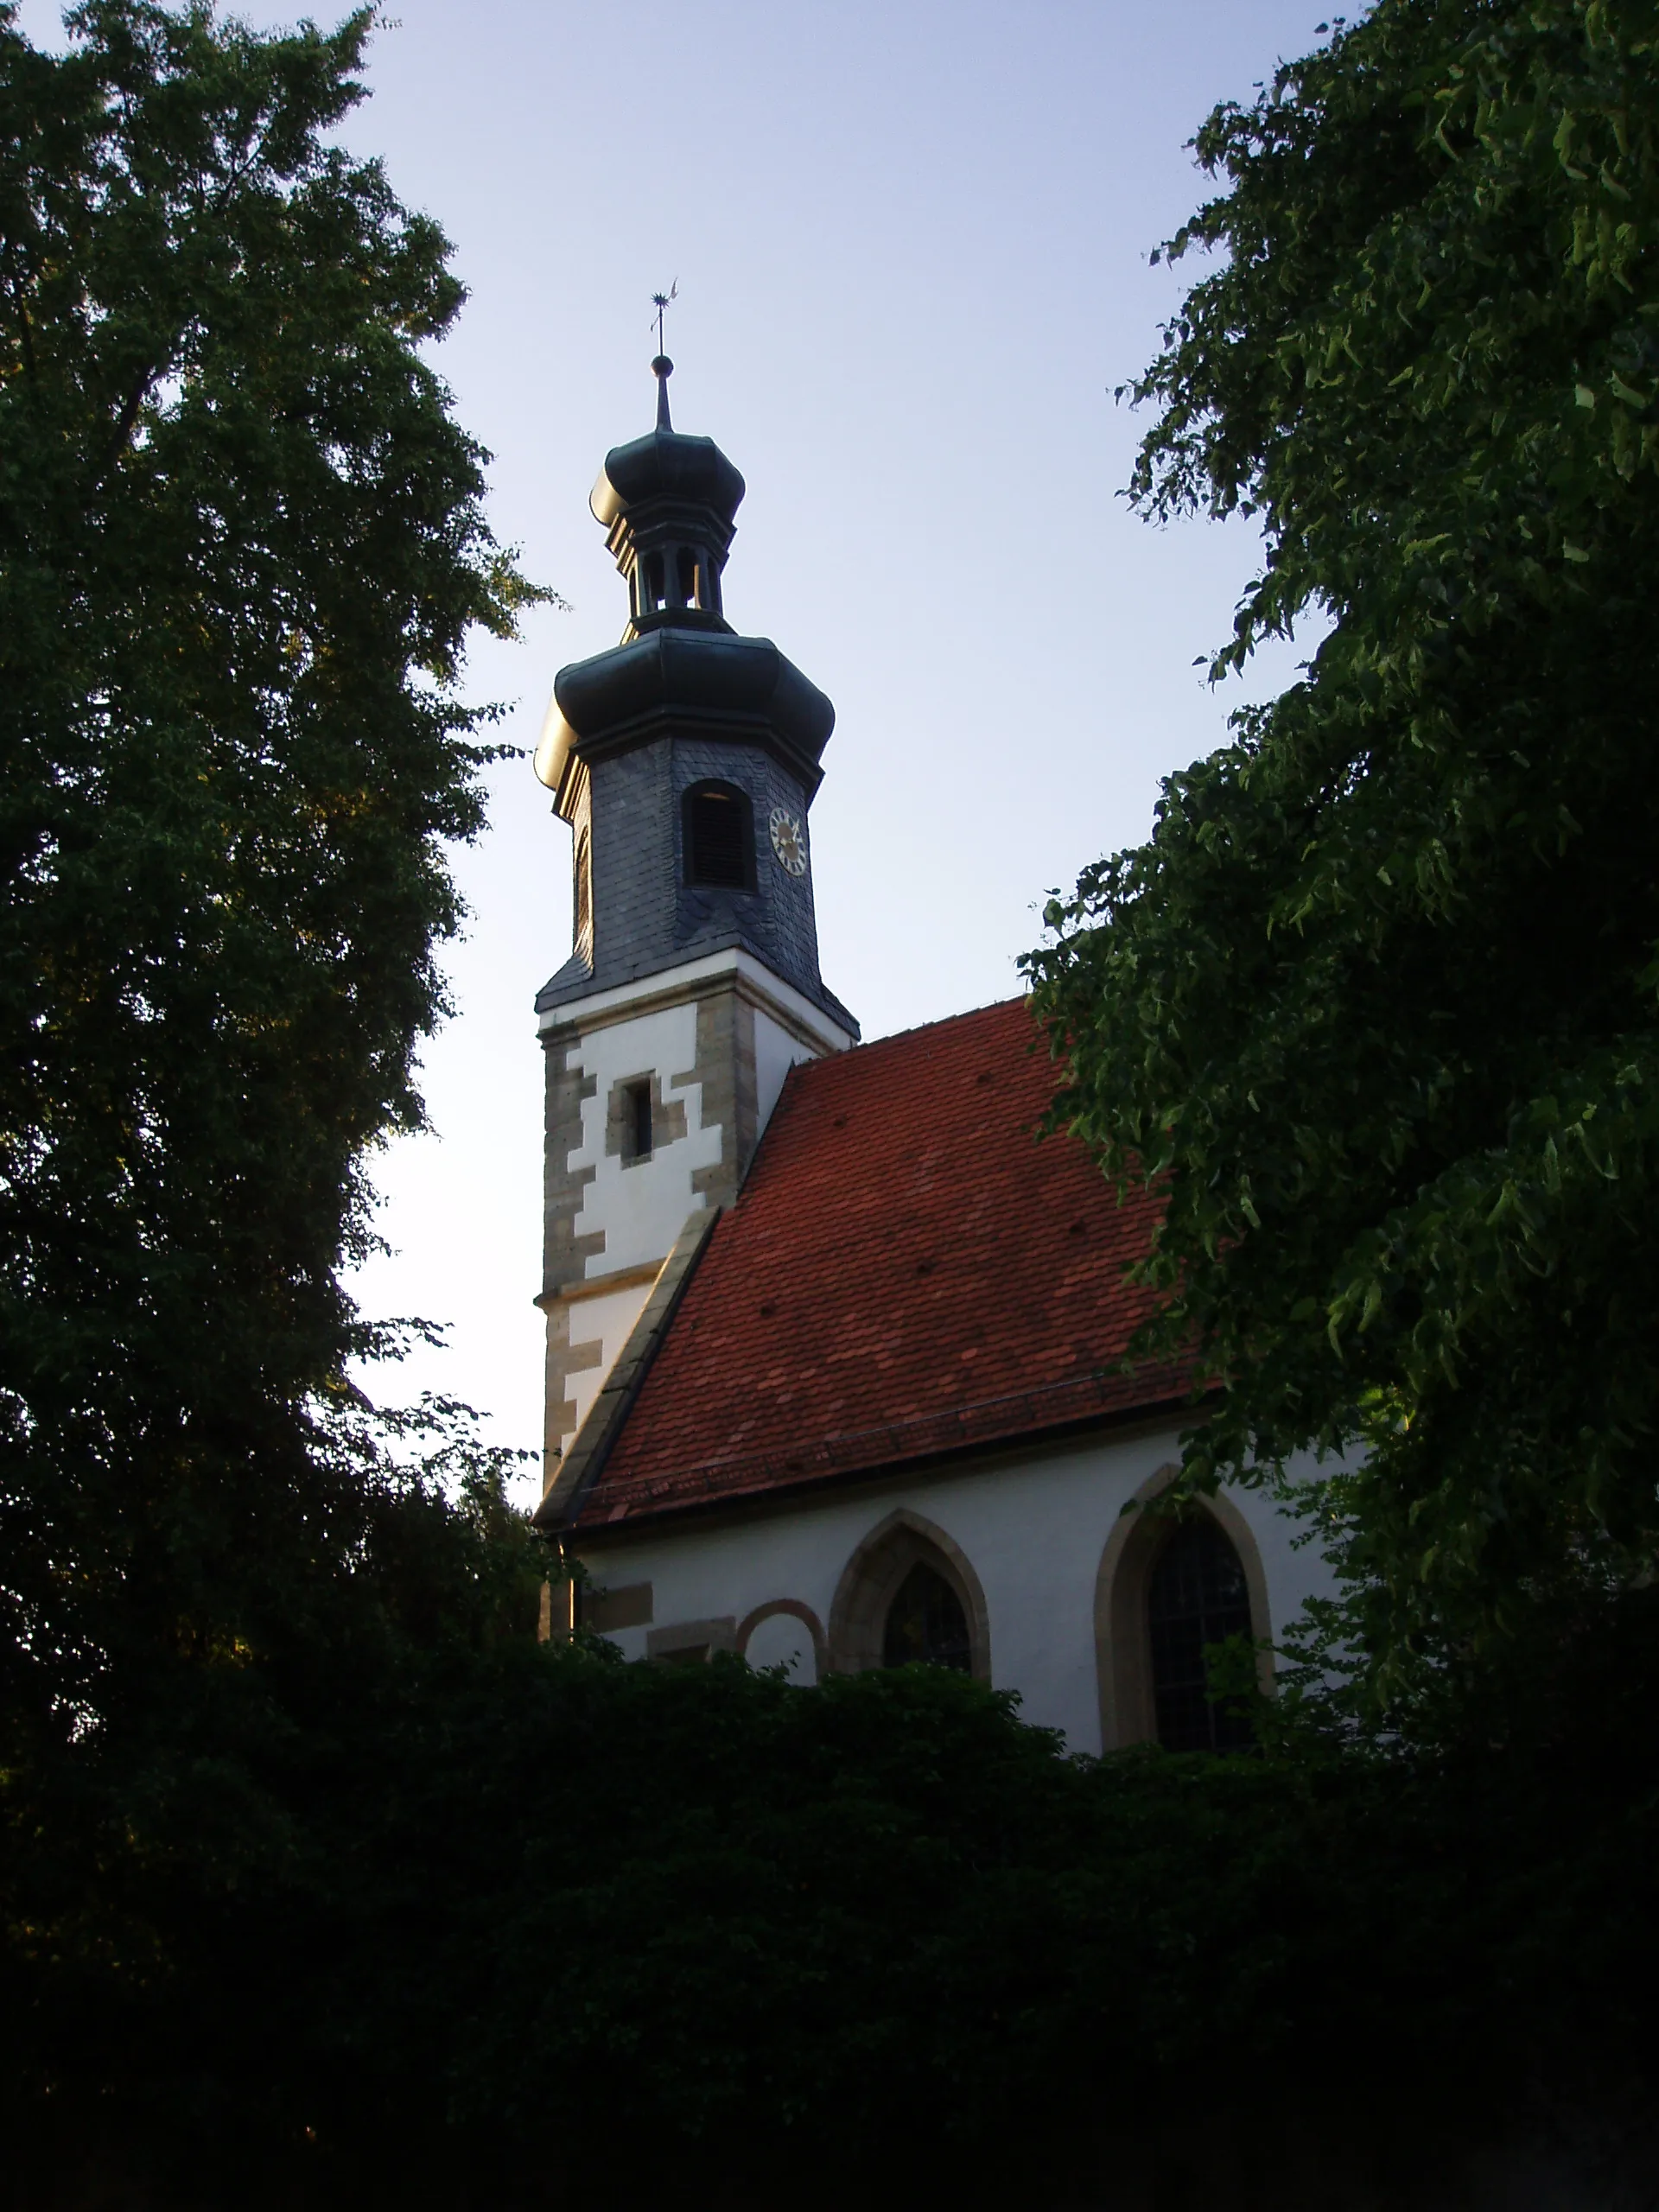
<point x="926" y="1623"/>
<point x="718" y="833"/>
<point x="1197" y="1598"/>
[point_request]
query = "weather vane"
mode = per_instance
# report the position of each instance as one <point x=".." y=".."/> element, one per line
<point x="662" y="301"/>
<point x="662" y="367"/>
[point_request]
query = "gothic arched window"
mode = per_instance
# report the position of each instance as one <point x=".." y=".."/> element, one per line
<point x="1197" y="1596"/>
<point x="908" y="1593"/>
<point x="718" y="827"/>
<point x="926" y="1622"/>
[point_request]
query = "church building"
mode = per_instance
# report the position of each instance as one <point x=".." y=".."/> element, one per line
<point x="835" y="1343"/>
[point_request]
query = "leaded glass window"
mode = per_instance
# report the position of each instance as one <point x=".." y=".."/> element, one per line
<point x="1197" y="1598"/>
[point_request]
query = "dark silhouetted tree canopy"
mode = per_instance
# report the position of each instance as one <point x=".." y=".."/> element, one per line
<point x="1377" y="999"/>
<point x="242" y="540"/>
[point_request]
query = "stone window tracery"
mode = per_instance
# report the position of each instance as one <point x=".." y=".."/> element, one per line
<point x="909" y="1593"/>
<point x="926" y="1623"/>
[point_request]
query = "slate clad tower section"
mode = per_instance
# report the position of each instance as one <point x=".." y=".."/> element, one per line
<point x="685" y="760"/>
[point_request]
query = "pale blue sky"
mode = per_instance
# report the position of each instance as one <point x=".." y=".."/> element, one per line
<point x="912" y="244"/>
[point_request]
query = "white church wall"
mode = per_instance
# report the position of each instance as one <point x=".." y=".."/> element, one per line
<point x="641" y="1206"/>
<point x="1034" y="1529"/>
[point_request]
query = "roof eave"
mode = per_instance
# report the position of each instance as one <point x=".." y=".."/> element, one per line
<point x="741" y="1504"/>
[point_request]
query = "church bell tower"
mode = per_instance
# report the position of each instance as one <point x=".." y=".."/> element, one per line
<point x="685" y="760"/>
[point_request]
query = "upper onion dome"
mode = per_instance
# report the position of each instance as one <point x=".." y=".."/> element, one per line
<point x="667" y="464"/>
<point x="667" y="502"/>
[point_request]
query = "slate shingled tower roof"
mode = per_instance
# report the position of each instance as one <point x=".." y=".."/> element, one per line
<point x="682" y="701"/>
<point x="908" y="1273"/>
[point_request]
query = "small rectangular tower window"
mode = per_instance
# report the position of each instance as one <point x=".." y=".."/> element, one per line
<point x="639" y="1129"/>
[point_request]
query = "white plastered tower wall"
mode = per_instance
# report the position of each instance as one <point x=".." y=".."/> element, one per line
<point x="1033" y="1526"/>
<point x="714" y="1041"/>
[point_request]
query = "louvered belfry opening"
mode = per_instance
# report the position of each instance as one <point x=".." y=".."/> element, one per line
<point x="1197" y="1598"/>
<point x="719" y="838"/>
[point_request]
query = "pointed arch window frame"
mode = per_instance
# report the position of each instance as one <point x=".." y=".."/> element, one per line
<point x="1128" y="1711"/>
<point x="873" y="1577"/>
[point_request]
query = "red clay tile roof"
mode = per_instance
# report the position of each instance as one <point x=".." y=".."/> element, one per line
<point x="906" y="1271"/>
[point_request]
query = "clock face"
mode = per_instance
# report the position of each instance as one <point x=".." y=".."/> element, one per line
<point x="788" y="841"/>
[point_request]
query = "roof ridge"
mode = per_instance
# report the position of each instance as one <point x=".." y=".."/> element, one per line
<point x="943" y="1021"/>
<point x="861" y="1054"/>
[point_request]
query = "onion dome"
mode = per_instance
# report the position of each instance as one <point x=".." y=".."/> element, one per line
<point x="667" y="502"/>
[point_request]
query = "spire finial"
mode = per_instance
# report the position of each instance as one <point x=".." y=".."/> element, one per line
<point x="662" y="368"/>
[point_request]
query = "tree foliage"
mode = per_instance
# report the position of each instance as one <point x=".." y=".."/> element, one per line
<point x="242" y="541"/>
<point x="1376" y="1004"/>
<point x="539" y="1927"/>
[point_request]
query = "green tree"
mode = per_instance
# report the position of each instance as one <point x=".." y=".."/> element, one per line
<point x="1376" y="1005"/>
<point x="242" y="541"/>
